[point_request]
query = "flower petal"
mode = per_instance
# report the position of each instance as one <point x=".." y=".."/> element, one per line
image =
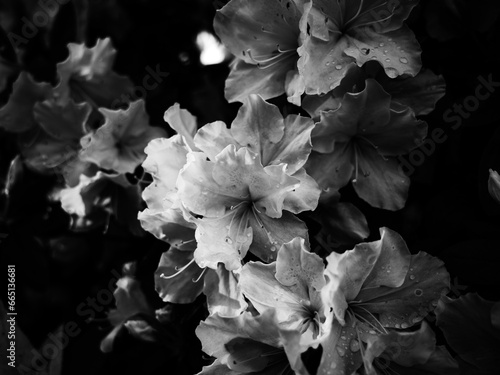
<point x="119" y="144"/>
<point x="183" y="122"/>
<point x="246" y="79"/>
<point x="223" y="293"/>
<point x="169" y="226"/>
<point x="216" y="331"/>
<point x="62" y="122"/>
<point x="297" y="265"/>
<point x="401" y="307"/>
<point x="270" y="234"/>
<point x="494" y="185"/>
<point x="259" y="284"/>
<point x="89" y="71"/>
<point x="165" y="158"/>
<point x="381" y="181"/>
<point x="269" y="45"/>
<point x="17" y="115"/>
<point x="224" y="239"/>
<point x="180" y="288"/>
<point x="213" y="138"/>
<point x="323" y="64"/>
<point x="387" y="48"/>
<point x="341" y="349"/>
<point x="260" y="127"/>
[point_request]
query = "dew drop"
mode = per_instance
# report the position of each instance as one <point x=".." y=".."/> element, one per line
<point x="390" y="39"/>
<point x="327" y="63"/>
<point x="404" y="325"/>
<point x="381" y="44"/>
<point x="416" y="320"/>
<point x="397" y="325"/>
<point x="228" y="240"/>
<point x="354" y="346"/>
<point x="387" y="60"/>
<point x="273" y="248"/>
<point x="404" y="60"/>
<point x="412" y="277"/>
<point x="418" y="292"/>
<point x="338" y="67"/>
<point x="343" y="337"/>
<point x="341" y="351"/>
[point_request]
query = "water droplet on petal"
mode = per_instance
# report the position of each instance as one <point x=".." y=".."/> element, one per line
<point x="354" y="346"/>
<point x="228" y="240"/>
<point x="397" y="325"/>
<point x="404" y="60"/>
<point x="338" y="67"/>
<point x="387" y="60"/>
<point x="404" y="325"/>
<point x="418" y="292"/>
<point x="341" y="351"/>
<point x="273" y="248"/>
<point x="381" y="44"/>
<point x="412" y="277"/>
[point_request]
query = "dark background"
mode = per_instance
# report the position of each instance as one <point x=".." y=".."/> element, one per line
<point x="449" y="212"/>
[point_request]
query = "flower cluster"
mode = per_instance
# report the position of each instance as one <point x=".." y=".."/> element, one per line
<point x="69" y="130"/>
<point x="231" y="202"/>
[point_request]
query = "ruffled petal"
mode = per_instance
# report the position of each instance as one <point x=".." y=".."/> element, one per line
<point x="17" y="115"/>
<point x="119" y="144"/>
<point x="223" y="292"/>
<point x="183" y="122"/>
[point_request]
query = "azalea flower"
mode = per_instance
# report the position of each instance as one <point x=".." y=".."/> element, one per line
<point x="239" y="187"/>
<point x="372" y="290"/>
<point x="87" y="75"/>
<point x="359" y="141"/>
<point x="264" y="37"/>
<point x="291" y="286"/>
<point x="130" y="301"/>
<point x="339" y="35"/>
<point x="250" y="344"/>
<point x="420" y="93"/>
<point x="118" y="144"/>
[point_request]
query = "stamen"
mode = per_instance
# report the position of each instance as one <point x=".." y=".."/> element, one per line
<point x="200" y="276"/>
<point x="179" y="271"/>
<point x="368" y="141"/>
<point x="357" y="13"/>
<point x="268" y="62"/>
<point x="355" y="164"/>
<point x="371" y="10"/>
<point x="374" y="22"/>
<point x="375" y="319"/>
